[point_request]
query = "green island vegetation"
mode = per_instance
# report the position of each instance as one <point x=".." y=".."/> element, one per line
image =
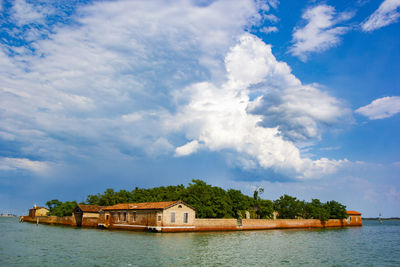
<point x="212" y="202"/>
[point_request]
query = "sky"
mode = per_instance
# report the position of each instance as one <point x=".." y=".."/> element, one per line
<point x="297" y="97"/>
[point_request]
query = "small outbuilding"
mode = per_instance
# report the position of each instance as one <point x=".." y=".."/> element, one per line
<point x="87" y="215"/>
<point x="354" y="217"/>
<point x="38" y="211"/>
<point x="157" y="216"/>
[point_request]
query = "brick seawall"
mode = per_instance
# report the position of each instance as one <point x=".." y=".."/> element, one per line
<point x="210" y="224"/>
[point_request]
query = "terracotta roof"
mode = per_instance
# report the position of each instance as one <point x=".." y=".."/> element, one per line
<point x="90" y="208"/>
<point x="352" y="212"/>
<point x="144" y="206"/>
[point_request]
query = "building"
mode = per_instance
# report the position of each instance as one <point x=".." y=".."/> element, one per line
<point x="354" y="217"/>
<point x="38" y="211"/>
<point x="87" y="215"/>
<point x="167" y="216"/>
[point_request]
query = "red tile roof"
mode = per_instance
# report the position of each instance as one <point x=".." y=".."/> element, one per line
<point x="143" y="206"/>
<point x="90" y="208"/>
<point x="352" y="212"/>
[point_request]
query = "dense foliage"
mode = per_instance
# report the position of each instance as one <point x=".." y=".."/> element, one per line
<point x="291" y="208"/>
<point x="58" y="208"/>
<point x="213" y="202"/>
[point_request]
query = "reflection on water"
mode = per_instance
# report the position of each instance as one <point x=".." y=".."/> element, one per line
<point x="25" y="244"/>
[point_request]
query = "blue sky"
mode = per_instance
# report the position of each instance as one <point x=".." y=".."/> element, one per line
<point x="299" y="97"/>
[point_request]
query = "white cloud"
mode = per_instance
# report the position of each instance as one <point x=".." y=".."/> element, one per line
<point x="321" y="31"/>
<point x="269" y="29"/>
<point x="8" y="164"/>
<point x="271" y="17"/>
<point x="386" y="14"/>
<point x="25" y="13"/>
<point x="187" y="149"/>
<point x="219" y="117"/>
<point x="266" y="5"/>
<point x="381" y="108"/>
<point x="109" y="83"/>
<point x="161" y="78"/>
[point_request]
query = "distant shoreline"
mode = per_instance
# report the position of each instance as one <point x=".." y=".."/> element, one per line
<point x="383" y="219"/>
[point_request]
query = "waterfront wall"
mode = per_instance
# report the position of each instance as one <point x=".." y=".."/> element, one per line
<point x="261" y="224"/>
<point x="66" y="220"/>
<point x="215" y="224"/>
<point x="210" y="224"/>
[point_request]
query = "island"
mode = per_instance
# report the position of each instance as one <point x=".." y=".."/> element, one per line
<point x="197" y="207"/>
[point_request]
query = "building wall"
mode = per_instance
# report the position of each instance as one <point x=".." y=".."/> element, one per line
<point x="138" y="217"/>
<point x="38" y="212"/>
<point x="41" y="212"/>
<point x="179" y="211"/>
<point x="90" y="215"/>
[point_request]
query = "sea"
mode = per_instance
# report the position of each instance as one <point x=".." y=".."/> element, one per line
<point x="27" y="244"/>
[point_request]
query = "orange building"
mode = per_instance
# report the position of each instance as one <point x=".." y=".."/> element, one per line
<point x="354" y="218"/>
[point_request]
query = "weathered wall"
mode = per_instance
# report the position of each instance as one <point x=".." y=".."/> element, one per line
<point x="90" y="222"/>
<point x="66" y="220"/>
<point x="179" y="214"/>
<point x="215" y="224"/>
<point x="257" y="224"/>
<point x="90" y="215"/>
<point x="142" y="220"/>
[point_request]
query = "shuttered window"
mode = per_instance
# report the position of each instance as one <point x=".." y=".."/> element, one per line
<point x="172" y="217"/>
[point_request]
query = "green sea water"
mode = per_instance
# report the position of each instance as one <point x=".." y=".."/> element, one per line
<point x="25" y="244"/>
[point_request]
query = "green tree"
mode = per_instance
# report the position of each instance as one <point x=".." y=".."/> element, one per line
<point x="287" y="207"/>
<point x="58" y="208"/>
<point x="336" y="210"/>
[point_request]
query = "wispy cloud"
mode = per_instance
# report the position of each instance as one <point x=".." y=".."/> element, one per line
<point x="381" y="108"/>
<point x="386" y="14"/>
<point x="269" y="29"/>
<point x="320" y="32"/>
<point x="8" y="164"/>
<point x="25" y="13"/>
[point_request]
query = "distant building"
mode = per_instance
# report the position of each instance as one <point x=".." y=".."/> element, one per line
<point x="158" y="216"/>
<point x="83" y="213"/>
<point x="354" y="217"/>
<point x="38" y="211"/>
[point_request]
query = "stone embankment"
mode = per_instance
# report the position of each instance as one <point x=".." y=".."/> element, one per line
<point x="214" y="224"/>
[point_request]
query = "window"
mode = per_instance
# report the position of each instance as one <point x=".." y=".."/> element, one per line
<point x="119" y="216"/>
<point x="172" y="217"/>
<point x="180" y="206"/>
<point x="159" y="218"/>
<point x="134" y="216"/>
<point x="185" y="217"/>
<point x="124" y="217"/>
<point x="107" y="216"/>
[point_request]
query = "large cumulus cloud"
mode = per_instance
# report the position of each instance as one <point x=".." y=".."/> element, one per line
<point x="135" y="79"/>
